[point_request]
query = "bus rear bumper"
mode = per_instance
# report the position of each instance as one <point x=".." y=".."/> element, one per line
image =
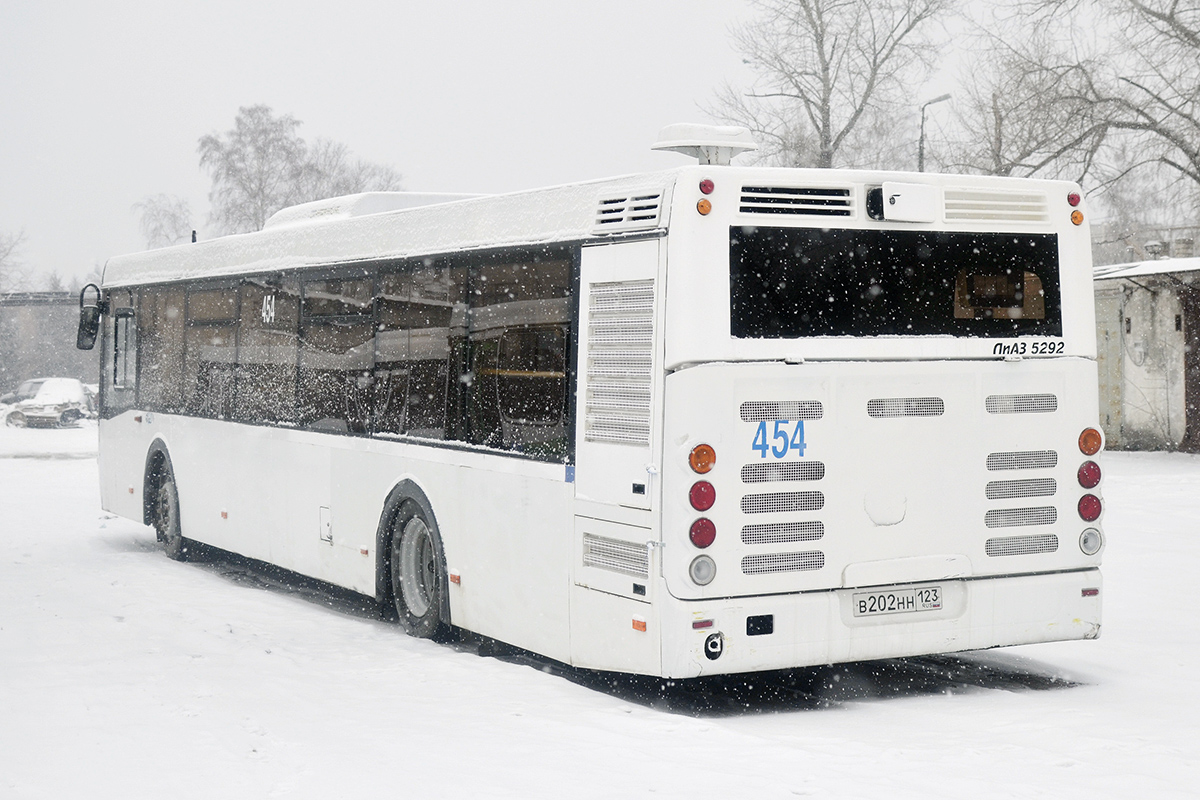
<point x="812" y="628"/>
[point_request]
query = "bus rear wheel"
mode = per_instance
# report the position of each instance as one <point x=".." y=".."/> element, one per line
<point x="166" y="520"/>
<point x="418" y="579"/>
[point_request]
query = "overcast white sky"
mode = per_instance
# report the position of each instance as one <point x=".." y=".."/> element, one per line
<point x="102" y="103"/>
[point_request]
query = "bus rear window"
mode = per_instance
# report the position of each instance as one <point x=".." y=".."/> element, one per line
<point x="799" y="282"/>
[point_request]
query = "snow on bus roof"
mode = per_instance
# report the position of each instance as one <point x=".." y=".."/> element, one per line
<point x="1138" y="269"/>
<point x="378" y="225"/>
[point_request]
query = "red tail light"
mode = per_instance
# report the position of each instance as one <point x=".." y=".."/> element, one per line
<point x="1089" y="508"/>
<point x="703" y="532"/>
<point x="702" y="495"/>
<point x="1089" y="475"/>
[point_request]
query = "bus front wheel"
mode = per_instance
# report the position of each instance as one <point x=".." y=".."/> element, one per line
<point x="166" y="520"/>
<point x="418" y="579"/>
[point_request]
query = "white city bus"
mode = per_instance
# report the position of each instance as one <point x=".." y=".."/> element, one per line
<point x="710" y="420"/>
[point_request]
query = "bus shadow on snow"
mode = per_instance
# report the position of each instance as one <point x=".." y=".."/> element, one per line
<point x="799" y="689"/>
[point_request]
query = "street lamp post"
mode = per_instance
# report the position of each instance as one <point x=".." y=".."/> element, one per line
<point x="921" y="141"/>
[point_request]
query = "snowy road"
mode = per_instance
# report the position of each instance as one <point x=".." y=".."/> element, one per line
<point x="124" y="674"/>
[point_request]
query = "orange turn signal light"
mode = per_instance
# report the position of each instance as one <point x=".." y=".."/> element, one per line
<point x="1090" y="442"/>
<point x="1077" y="217"/>
<point x="704" y="207"/>
<point x="702" y="458"/>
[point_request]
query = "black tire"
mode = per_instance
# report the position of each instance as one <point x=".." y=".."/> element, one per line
<point x="418" y="573"/>
<point x="166" y="521"/>
<point x="69" y="418"/>
<point x="16" y="419"/>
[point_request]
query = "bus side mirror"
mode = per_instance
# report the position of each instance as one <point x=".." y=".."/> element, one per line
<point x="89" y="318"/>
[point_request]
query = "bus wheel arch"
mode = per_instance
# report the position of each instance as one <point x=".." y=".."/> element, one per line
<point x="411" y="577"/>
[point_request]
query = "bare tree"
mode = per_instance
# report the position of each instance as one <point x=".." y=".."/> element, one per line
<point x="331" y="172"/>
<point x="1156" y="89"/>
<point x="262" y="165"/>
<point x="1025" y="105"/>
<point x="828" y="72"/>
<point x="165" y="220"/>
<point x="14" y="275"/>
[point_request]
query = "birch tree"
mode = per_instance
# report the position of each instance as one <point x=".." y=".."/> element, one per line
<point x="165" y="220"/>
<point x="262" y="165"/>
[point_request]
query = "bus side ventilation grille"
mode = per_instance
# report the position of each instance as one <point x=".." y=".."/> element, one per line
<point x="782" y="532"/>
<point x="1017" y="517"/>
<point x="906" y="407"/>
<point x="796" y="200"/>
<point x="1032" y="487"/>
<point x="783" y="562"/>
<point x="1021" y="545"/>
<point x="768" y="411"/>
<point x="981" y="205"/>
<point x="783" y="471"/>
<point x="620" y="361"/>
<point x="1028" y="459"/>
<point x="1021" y="403"/>
<point x="615" y="555"/>
<point x="632" y="213"/>
<point x="783" y="501"/>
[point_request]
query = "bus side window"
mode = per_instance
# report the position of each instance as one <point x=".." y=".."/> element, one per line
<point x="120" y="357"/>
<point x="520" y="318"/>
<point x="211" y="349"/>
<point x="337" y="358"/>
<point x="267" y="348"/>
<point x="160" y="335"/>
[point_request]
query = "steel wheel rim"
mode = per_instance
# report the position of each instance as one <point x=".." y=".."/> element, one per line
<point x="418" y="567"/>
<point x="166" y="512"/>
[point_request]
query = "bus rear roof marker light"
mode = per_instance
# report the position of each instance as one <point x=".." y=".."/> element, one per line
<point x="1077" y="217"/>
<point x="707" y="186"/>
<point x="1090" y="592"/>
<point x="704" y="207"/>
<point x="701" y="624"/>
<point x="1073" y="199"/>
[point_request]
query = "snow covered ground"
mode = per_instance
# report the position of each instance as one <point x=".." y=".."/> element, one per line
<point x="124" y="674"/>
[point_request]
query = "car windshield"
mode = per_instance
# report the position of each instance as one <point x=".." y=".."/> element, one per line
<point x="60" y="390"/>
<point x="29" y="389"/>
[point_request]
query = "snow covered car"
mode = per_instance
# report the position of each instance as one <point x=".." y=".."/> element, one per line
<point x="47" y="402"/>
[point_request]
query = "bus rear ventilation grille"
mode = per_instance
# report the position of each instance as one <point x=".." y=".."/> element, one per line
<point x="1021" y="403"/>
<point x="906" y="407"/>
<point x="808" y="202"/>
<point x="1018" y="517"/>
<point x="979" y="205"/>
<point x="1021" y="545"/>
<point x="615" y="555"/>
<point x="783" y="471"/>
<point x="633" y="213"/>
<point x="1031" y="487"/>
<point x="770" y="410"/>
<point x="781" y="532"/>
<point x="783" y="562"/>
<point x="1026" y="459"/>
<point x="782" y="501"/>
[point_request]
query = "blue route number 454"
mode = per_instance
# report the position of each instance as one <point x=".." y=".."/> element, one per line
<point x="784" y="439"/>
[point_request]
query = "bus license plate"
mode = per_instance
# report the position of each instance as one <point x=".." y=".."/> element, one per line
<point x="897" y="601"/>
